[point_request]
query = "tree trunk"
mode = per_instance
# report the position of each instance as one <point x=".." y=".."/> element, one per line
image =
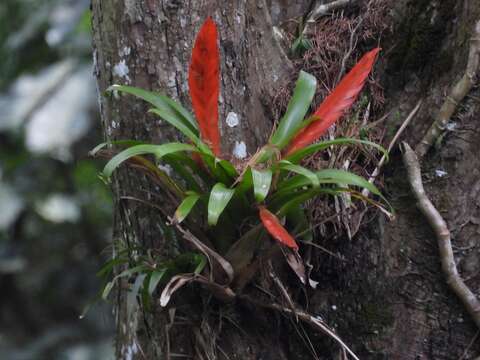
<point x="389" y="299"/>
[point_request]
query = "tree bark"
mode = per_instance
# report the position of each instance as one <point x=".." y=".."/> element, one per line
<point x="389" y="299"/>
<point x="148" y="44"/>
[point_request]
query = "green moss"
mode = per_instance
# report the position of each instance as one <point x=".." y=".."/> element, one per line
<point x="376" y="316"/>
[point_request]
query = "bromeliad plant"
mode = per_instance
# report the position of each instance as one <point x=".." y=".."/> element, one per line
<point x="224" y="211"/>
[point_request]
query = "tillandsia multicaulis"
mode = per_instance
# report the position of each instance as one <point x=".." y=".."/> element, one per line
<point x="207" y="189"/>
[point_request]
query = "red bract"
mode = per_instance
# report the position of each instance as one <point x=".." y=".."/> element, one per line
<point x="204" y="84"/>
<point x="340" y="100"/>
<point x="274" y="228"/>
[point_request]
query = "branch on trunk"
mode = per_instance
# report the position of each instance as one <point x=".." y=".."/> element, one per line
<point x="320" y="9"/>
<point x="439" y="226"/>
<point x="457" y="94"/>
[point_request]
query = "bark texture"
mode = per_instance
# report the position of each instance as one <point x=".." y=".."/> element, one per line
<point x="148" y="44"/>
<point x="388" y="300"/>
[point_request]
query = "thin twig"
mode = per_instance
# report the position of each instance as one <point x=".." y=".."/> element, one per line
<point x="470" y="345"/>
<point x="457" y="94"/>
<point x="321" y="9"/>
<point x="399" y="132"/>
<point x="439" y="226"/>
<point x="352" y="44"/>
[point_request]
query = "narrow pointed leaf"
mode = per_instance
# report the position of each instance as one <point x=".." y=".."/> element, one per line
<point x="186" y="161"/>
<point x="107" y="289"/>
<point x="220" y="196"/>
<point x="298" y="155"/>
<point x="173" y="120"/>
<point x="297" y="216"/>
<point x="339" y="101"/>
<point x="155" y="279"/>
<point x="186" y="206"/>
<point x="329" y="176"/>
<point x="298" y="106"/>
<point x="200" y="263"/>
<point x="285" y="204"/>
<point x="107" y="268"/>
<point x="310" y="175"/>
<point x="126" y="273"/>
<point x="275" y="229"/>
<point x="204" y="83"/>
<point x="228" y="167"/>
<point x="121" y="143"/>
<point x="157" y="150"/>
<point x="161" y="102"/>
<point x="219" y="169"/>
<point x="261" y="183"/>
<point x="345" y="177"/>
<point x="183" y="171"/>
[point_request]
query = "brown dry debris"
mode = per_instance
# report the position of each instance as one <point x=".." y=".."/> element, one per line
<point x="338" y="41"/>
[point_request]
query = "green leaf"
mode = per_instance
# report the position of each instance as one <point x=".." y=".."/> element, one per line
<point x="296" y="110"/>
<point x="109" y="265"/>
<point x="310" y="175"/>
<point x="107" y="289"/>
<point x="290" y="200"/>
<point x="329" y="176"/>
<point x="122" y="143"/>
<point x="182" y="169"/>
<point x="299" y="222"/>
<point x="334" y="176"/>
<point x="219" y="198"/>
<point x="300" y="45"/>
<point x="300" y="154"/>
<point x="228" y="167"/>
<point x="201" y="262"/>
<point x="173" y="120"/>
<point x="130" y="271"/>
<point x="183" y="163"/>
<point x="186" y="206"/>
<point x="157" y="150"/>
<point x="162" y="102"/>
<point x="262" y="180"/>
<point x="216" y="169"/>
<point x="246" y="182"/>
<point x="155" y="278"/>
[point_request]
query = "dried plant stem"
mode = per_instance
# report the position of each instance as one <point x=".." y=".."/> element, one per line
<point x="458" y="92"/>
<point x="320" y="9"/>
<point x="352" y="44"/>
<point x="439" y="226"/>
<point x="399" y="132"/>
<point x="315" y="322"/>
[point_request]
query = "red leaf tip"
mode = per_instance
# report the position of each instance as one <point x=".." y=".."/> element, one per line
<point x="204" y="83"/>
<point x="275" y="229"/>
<point x="336" y="103"/>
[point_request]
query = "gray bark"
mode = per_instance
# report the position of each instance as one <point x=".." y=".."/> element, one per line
<point x="148" y="44"/>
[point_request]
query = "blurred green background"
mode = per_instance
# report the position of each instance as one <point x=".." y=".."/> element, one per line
<point x="55" y="214"/>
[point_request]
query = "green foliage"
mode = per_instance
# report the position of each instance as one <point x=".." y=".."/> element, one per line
<point x="213" y="186"/>
<point x="262" y="179"/>
<point x="145" y="273"/>
<point x="220" y="196"/>
<point x="186" y="206"/>
<point x="296" y="110"/>
<point x="222" y="209"/>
